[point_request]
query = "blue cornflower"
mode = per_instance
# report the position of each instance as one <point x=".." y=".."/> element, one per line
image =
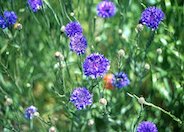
<point x="106" y="9"/>
<point x="10" y="18"/>
<point x="95" y="65"/>
<point x="35" y="5"/>
<point x="73" y="28"/>
<point x="2" y="23"/>
<point x="81" y="98"/>
<point x="30" y="111"/>
<point x="151" y="17"/>
<point x="120" y="80"/>
<point x="147" y="126"/>
<point x="78" y="43"/>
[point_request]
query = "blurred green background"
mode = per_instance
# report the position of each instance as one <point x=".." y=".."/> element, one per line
<point x="29" y="72"/>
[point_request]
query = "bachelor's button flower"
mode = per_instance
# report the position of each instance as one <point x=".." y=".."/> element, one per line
<point x="73" y="28"/>
<point x="30" y="112"/>
<point x="10" y="18"/>
<point x="120" y="80"/>
<point x="35" y="5"/>
<point x="106" y="9"/>
<point x="151" y="17"/>
<point x="108" y="81"/>
<point x="2" y="23"/>
<point x="78" y="43"/>
<point x="147" y="126"/>
<point x="81" y="98"/>
<point x="95" y="65"/>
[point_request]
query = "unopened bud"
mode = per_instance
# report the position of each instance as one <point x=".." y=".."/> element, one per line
<point x="8" y="101"/>
<point x="62" y="29"/>
<point x="123" y="36"/>
<point x="59" y="56"/>
<point x="159" y="51"/>
<point x="139" y="28"/>
<point x="141" y="100"/>
<point x="147" y="66"/>
<point x="103" y="101"/>
<point x="52" y="129"/>
<point x="72" y="14"/>
<point x="91" y="122"/>
<point x="36" y="114"/>
<point x="121" y="53"/>
<point x="18" y="26"/>
<point x="120" y="31"/>
<point x="97" y="39"/>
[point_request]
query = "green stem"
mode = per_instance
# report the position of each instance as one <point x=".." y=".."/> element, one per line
<point x="164" y="111"/>
<point x="157" y="107"/>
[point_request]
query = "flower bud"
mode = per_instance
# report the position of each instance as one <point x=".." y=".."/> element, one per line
<point x="8" y="101"/>
<point x="91" y="122"/>
<point x="139" y="28"/>
<point x="59" y="56"/>
<point x="159" y="51"/>
<point x="52" y="129"/>
<point x="141" y="100"/>
<point x="121" y="53"/>
<point x="147" y="66"/>
<point x="18" y="26"/>
<point x="36" y="114"/>
<point x="72" y="14"/>
<point x="120" y="31"/>
<point x="103" y="101"/>
<point x="62" y="29"/>
<point x="97" y="39"/>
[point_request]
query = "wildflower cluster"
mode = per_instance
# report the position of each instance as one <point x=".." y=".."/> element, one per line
<point x="78" y="42"/>
<point x="95" y="66"/>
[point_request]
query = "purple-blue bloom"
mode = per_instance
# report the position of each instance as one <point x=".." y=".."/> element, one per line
<point x="81" y="98"/>
<point x="73" y="28"/>
<point x="30" y="111"/>
<point x="151" y="17"/>
<point x="78" y="43"/>
<point x="10" y="18"/>
<point x="2" y="23"/>
<point x="106" y="9"/>
<point x="95" y="65"/>
<point x="147" y="126"/>
<point x="120" y="80"/>
<point x="35" y="5"/>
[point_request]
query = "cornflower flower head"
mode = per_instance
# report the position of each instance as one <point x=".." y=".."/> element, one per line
<point x="108" y="81"/>
<point x="147" y="126"/>
<point x="10" y="18"/>
<point x="95" y="65"/>
<point x="78" y="43"/>
<point x="30" y="112"/>
<point x="35" y="5"/>
<point x="81" y="98"/>
<point x="152" y="17"/>
<point x="120" y="80"/>
<point x="73" y="28"/>
<point x="106" y="9"/>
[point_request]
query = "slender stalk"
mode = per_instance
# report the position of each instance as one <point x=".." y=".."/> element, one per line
<point x="157" y="107"/>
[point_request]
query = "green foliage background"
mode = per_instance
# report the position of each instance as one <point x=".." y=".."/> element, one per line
<point x="28" y="76"/>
